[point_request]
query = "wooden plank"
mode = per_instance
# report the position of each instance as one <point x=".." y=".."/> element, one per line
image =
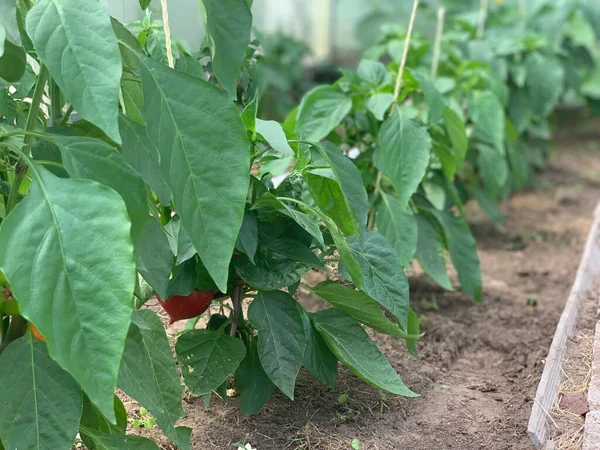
<point x="587" y="275"/>
<point x="591" y="436"/>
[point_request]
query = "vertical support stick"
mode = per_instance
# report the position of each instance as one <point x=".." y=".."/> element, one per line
<point x="165" y="17"/>
<point x="439" y="31"/>
<point x="483" y="8"/>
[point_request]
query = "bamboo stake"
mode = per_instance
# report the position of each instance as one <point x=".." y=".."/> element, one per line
<point x="483" y="8"/>
<point x="397" y="88"/>
<point x="439" y="30"/>
<point x="165" y="17"/>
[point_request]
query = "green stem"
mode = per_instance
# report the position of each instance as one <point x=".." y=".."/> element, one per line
<point x="21" y="167"/>
<point x="56" y="106"/>
<point x="67" y="115"/>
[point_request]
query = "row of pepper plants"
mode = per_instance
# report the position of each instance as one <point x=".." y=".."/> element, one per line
<point x="474" y="123"/>
<point x="160" y="184"/>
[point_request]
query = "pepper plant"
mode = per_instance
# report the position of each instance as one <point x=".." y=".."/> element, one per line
<point x="123" y="178"/>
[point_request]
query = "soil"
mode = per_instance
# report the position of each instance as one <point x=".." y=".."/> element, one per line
<point x="479" y="364"/>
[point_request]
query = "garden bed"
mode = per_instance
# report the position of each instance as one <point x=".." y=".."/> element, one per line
<point x="479" y="365"/>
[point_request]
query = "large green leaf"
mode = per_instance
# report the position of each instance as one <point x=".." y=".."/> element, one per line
<point x="350" y="181"/>
<point x="435" y="100"/>
<point x="358" y="305"/>
<point x="199" y="132"/>
<point x="382" y="275"/>
<point x="457" y="134"/>
<point x="105" y="441"/>
<point x="41" y="403"/>
<point x="430" y="253"/>
<point x="545" y="76"/>
<point x="208" y="358"/>
<point x="153" y="257"/>
<point x="379" y="103"/>
<point x="347" y="257"/>
<point x="326" y="191"/>
<point x="12" y="62"/>
<point x="8" y="21"/>
<point x="228" y="23"/>
<point x="74" y="275"/>
<point x="272" y="132"/>
<point x="252" y="382"/>
<point x="143" y="155"/>
<point x="398" y="226"/>
<point x="352" y="345"/>
<point x="92" y="418"/>
<point x="318" y="359"/>
<point x="403" y="154"/>
<point x="494" y="169"/>
<point x="281" y="337"/>
<point x="322" y="109"/>
<point x="487" y="113"/>
<point x="93" y="159"/>
<point x="463" y="252"/>
<point x="247" y="241"/>
<point x="373" y="73"/>
<point x="148" y="374"/>
<point x="75" y="40"/>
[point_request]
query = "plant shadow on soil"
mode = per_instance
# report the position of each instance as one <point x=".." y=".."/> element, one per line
<point x="479" y="364"/>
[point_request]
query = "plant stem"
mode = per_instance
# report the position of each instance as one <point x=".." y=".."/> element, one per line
<point x="237" y="305"/>
<point x="21" y="166"/>
<point x="439" y="30"/>
<point x="56" y="106"/>
<point x="15" y="330"/>
<point x="67" y="115"/>
<point x="483" y="7"/>
<point x="397" y="87"/>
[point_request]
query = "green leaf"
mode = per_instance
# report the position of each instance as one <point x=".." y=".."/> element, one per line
<point x="143" y="155"/>
<point x="373" y="73"/>
<point x="435" y="100"/>
<point x="247" y="241"/>
<point x="398" y="226"/>
<point x="92" y="418"/>
<point x="457" y="134"/>
<point x="307" y="222"/>
<point x="105" y="441"/>
<point x="379" y="103"/>
<point x="144" y="4"/>
<point x="294" y="250"/>
<point x="487" y="113"/>
<point x="354" y="348"/>
<point x="350" y="180"/>
<point x="520" y="109"/>
<point x="75" y="40"/>
<point x="358" y="305"/>
<point x="382" y="275"/>
<point x="208" y="358"/>
<point x="8" y="21"/>
<point x="196" y="141"/>
<point x="12" y="62"/>
<point x="322" y="109"/>
<point x="252" y="382"/>
<point x="281" y="337"/>
<point x="463" y="252"/>
<point x="93" y="159"/>
<point x="272" y="132"/>
<point x="148" y="374"/>
<point x="74" y="272"/>
<point x="153" y="257"/>
<point x="403" y="154"/>
<point x="494" y="169"/>
<point x="318" y="359"/>
<point x="414" y="329"/>
<point x="271" y="269"/>
<point x="229" y="23"/>
<point x="488" y="205"/>
<point x="545" y="77"/>
<point x="326" y="191"/>
<point x="41" y="403"/>
<point x="349" y="260"/>
<point x="430" y="253"/>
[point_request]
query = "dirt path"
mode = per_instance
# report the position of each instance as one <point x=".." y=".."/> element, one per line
<point x="479" y="363"/>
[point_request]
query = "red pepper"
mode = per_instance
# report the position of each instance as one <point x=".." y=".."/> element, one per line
<point x="180" y="307"/>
